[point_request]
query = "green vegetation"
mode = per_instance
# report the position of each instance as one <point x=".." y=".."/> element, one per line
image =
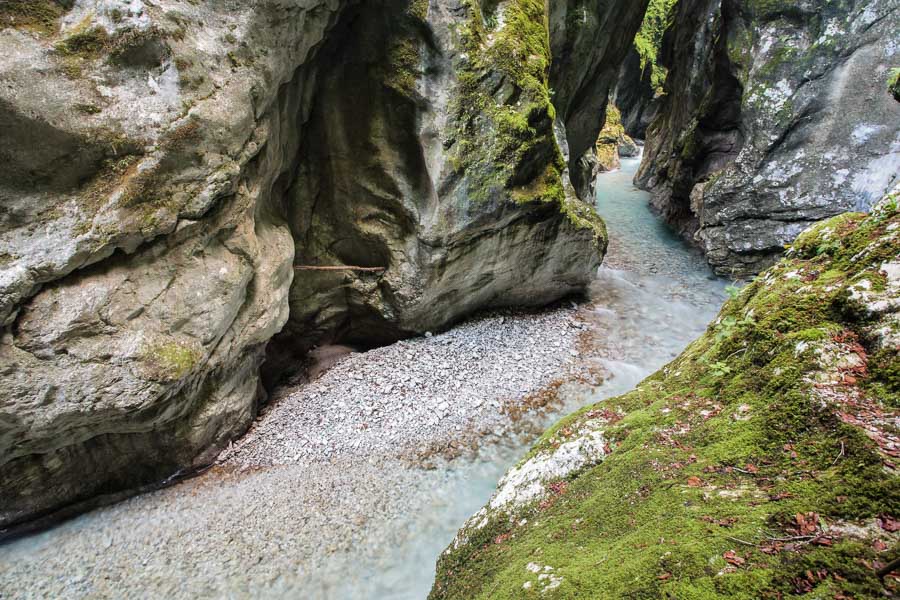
<point x="756" y="465"/>
<point x="612" y="134"/>
<point x="649" y="39"/>
<point x="894" y="83"/>
<point x="39" y="16"/>
<point x="499" y="139"/>
<point x="402" y="66"/>
<point x="503" y="112"/>
<point x="89" y="43"/>
<point x="171" y="361"/>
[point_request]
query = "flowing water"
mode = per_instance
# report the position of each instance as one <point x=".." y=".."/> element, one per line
<point x="652" y="297"/>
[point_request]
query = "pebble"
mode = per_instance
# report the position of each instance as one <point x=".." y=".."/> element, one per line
<point x="433" y="390"/>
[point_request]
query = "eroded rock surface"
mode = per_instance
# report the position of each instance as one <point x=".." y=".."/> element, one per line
<point x="175" y="174"/>
<point x="775" y="116"/>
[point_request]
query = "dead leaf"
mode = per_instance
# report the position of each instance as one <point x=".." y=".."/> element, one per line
<point x="889" y="523"/>
<point x="807" y="523"/>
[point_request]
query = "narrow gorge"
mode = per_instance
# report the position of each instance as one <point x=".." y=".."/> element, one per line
<point x="286" y="287"/>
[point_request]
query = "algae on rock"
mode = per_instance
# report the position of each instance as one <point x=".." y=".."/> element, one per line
<point x="613" y="142"/>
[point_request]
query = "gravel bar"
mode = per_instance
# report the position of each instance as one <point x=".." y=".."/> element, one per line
<point x="326" y="477"/>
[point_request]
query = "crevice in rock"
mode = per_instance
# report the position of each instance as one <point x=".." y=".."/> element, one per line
<point x="339" y="197"/>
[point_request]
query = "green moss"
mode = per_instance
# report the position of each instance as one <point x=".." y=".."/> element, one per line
<point x="88" y="109"/>
<point x="708" y="465"/>
<point x="894" y="83"/>
<point x="172" y="361"/>
<point x="609" y="139"/>
<point x="88" y="43"/>
<point x="648" y="40"/>
<point x="401" y="67"/>
<point x="500" y="141"/>
<point x="40" y="16"/>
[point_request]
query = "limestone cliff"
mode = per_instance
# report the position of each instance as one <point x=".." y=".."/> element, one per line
<point x="175" y="174"/>
<point x="775" y="116"/>
<point x="761" y="463"/>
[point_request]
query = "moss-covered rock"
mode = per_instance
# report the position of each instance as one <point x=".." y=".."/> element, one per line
<point x="894" y="84"/>
<point x="759" y="464"/>
<point x="39" y="16"/>
<point x="613" y="142"/>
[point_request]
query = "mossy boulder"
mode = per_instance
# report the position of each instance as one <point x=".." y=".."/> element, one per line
<point x="761" y="463"/>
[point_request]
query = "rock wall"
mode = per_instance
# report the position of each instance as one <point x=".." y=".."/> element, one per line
<point x="175" y="174"/>
<point x="433" y="153"/>
<point x="635" y="96"/>
<point x="146" y="262"/>
<point x="760" y="463"/>
<point x="589" y="40"/>
<point x="774" y="117"/>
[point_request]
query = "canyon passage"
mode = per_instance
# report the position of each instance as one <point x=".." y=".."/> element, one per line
<point x="449" y="298"/>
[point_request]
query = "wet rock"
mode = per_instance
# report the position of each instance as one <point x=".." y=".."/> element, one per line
<point x="774" y="117"/>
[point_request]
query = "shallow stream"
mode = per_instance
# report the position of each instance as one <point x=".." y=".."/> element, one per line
<point x="249" y="535"/>
<point x="653" y="296"/>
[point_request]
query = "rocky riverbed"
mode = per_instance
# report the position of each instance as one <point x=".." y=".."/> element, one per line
<point x="331" y="467"/>
<point x="345" y="487"/>
<point x="420" y="396"/>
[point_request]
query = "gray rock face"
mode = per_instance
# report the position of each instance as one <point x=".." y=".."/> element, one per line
<point x="589" y="39"/>
<point x="172" y="170"/>
<point x="773" y="118"/>
<point x="635" y="97"/>
<point x="145" y="260"/>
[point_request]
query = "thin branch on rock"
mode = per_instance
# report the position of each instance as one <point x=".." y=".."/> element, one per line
<point x="339" y="268"/>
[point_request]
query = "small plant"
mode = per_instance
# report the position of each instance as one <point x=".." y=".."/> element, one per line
<point x="730" y="324"/>
<point x="894" y="83"/>
<point x="830" y="248"/>
<point x="733" y="291"/>
<point x="88" y="43"/>
<point x="719" y="369"/>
